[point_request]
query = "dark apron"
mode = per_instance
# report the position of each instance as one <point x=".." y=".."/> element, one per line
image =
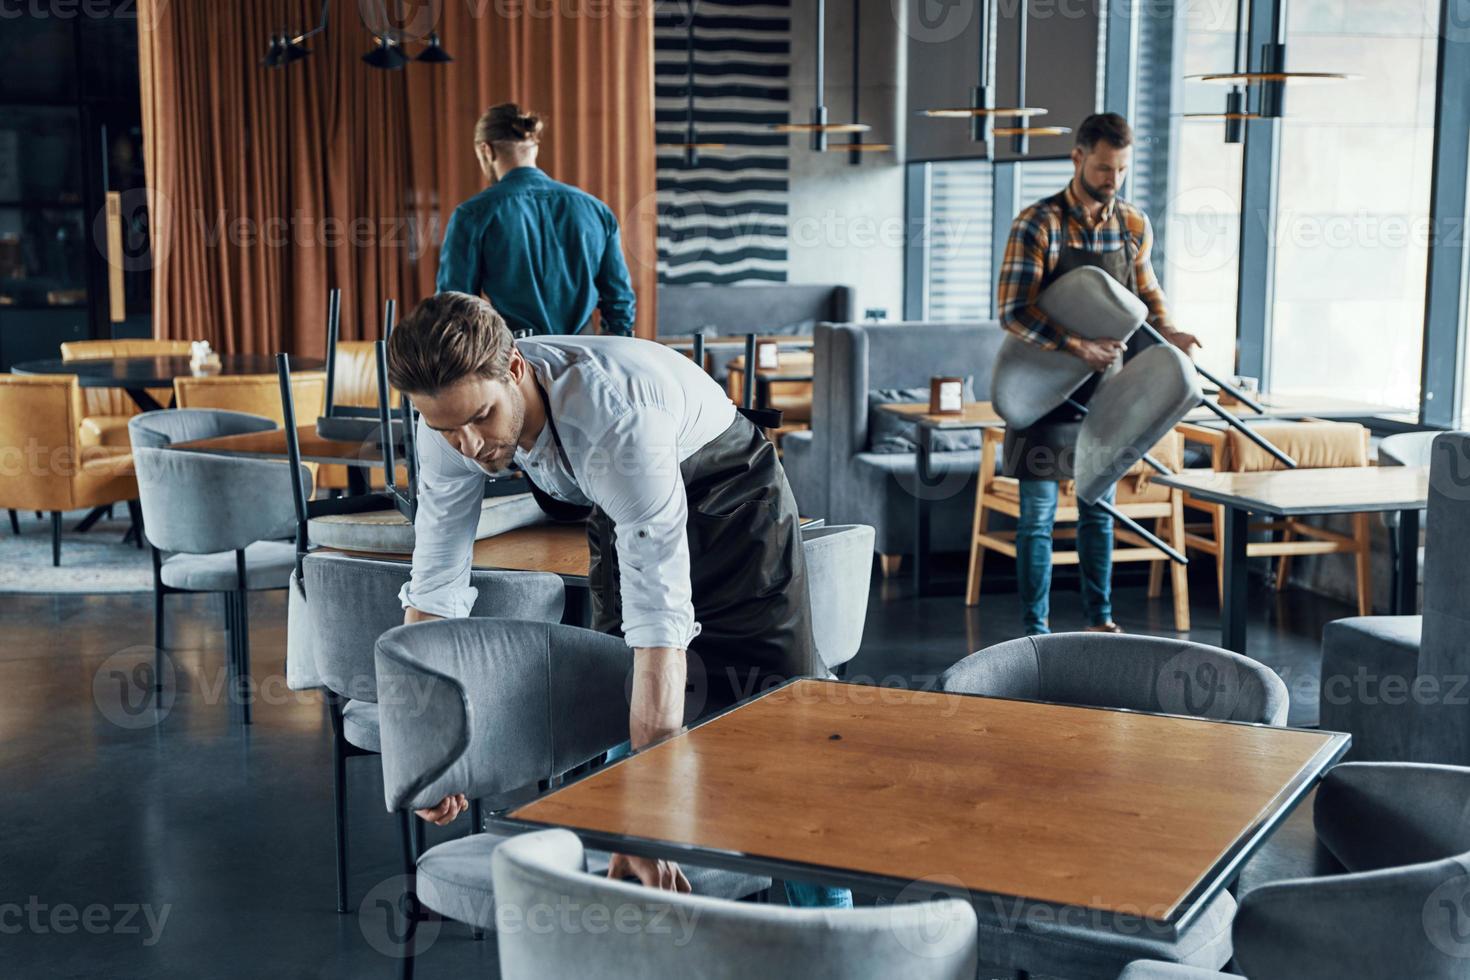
<point x="1046" y="450"/>
<point x="746" y="571"/>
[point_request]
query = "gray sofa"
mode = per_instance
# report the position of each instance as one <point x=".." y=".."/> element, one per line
<point x="833" y="474"/>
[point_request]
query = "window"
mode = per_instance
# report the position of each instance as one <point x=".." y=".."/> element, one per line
<point x="957" y="272"/>
<point x="1353" y="202"/>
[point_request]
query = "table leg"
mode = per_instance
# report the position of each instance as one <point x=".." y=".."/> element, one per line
<point x="921" y="514"/>
<point x="1406" y="593"/>
<point x="96" y="514"/>
<point x="357" y="481"/>
<point x="1232" y="615"/>
<point x="143" y="400"/>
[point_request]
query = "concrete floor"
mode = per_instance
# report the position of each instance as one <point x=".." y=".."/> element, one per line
<point x="174" y="842"/>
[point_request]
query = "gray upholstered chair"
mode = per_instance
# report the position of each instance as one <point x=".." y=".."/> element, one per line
<point x="832" y="470"/>
<point x="1392" y="681"/>
<point x="1403" y="449"/>
<point x="163" y="428"/>
<point x="839" y="570"/>
<point x="707" y="937"/>
<point x="353" y="601"/>
<point x="488" y="707"/>
<point x="220" y="519"/>
<point x="1401" y="832"/>
<point x="1140" y="673"/>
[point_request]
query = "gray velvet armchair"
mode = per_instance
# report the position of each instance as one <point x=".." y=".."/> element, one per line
<point x="833" y="471"/>
<point x="1401" y="832"/>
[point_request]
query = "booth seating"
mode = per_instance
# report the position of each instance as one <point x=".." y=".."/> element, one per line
<point x="107" y="410"/>
<point x="833" y="470"/>
<point x="734" y="311"/>
<point x="1138" y="496"/>
<point x="1137" y="673"/>
<point x="1395" y="908"/>
<point x="41" y="416"/>
<point x="1314" y="445"/>
<point x="548" y="869"/>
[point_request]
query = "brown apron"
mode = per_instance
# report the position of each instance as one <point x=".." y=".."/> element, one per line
<point x="1047" y="449"/>
<point x="746" y="570"/>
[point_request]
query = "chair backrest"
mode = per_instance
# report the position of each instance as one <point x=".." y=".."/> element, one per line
<point x="354" y="601"/>
<point x="1407" y="449"/>
<point x="839" y="570"/>
<point x="155" y="430"/>
<point x="1402" y="831"/>
<point x="1313" y="444"/>
<point x="257" y="394"/>
<point x="356" y="376"/>
<point x="197" y="503"/>
<point x="1442" y="722"/>
<point x="1142" y="673"/>
<point x="666" y="936"/>
<point x="39" y="415"/>
<point x="487" y="706"/>
<point x="115" y="401"/>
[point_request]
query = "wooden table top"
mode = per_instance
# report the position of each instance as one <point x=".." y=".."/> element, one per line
<point x="271" y="444"/>
<point x="974" y="415"/>
<point x="1109" y="810"/>
<point x="557" y="548"/>
<point x="795" y="366"/>
<point x="1303" y="406"/>
<point x="1338" y="490"/>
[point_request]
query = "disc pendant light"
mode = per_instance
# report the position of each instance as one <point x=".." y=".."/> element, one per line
<point x="690" y="144"/>
<point x="1021" y="132"/>
<point x="819" y="127"/>
<point x="855" y="147"/>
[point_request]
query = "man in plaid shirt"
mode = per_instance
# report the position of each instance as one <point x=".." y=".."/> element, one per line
<point x="1083" y="224"/>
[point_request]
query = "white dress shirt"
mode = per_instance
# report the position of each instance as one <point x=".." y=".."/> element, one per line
<point x="628" y="413"/>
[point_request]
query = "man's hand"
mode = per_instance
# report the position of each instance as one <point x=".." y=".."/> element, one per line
<point x="653" y="873"/>
<point x="1184" y="341"/>
<point x="412" y="615"/>
<point x="1096" y="354"/>
<point x="448" y="808"/>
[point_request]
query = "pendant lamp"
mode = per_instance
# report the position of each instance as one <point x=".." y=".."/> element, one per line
<point x="819" y="127"/>
<point x="855" y="147"/>
<point x="691" y="144"/>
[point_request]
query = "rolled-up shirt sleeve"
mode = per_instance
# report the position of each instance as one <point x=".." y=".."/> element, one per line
<point x="451" y="489"/>
<point x="633" y="474"/>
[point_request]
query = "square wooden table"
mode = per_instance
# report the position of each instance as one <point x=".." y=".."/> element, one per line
<point x="1295" y="493"/>
<point x="1120" y="813"/>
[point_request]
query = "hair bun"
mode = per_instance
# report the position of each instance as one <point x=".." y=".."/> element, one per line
<point x="528" y="125"/>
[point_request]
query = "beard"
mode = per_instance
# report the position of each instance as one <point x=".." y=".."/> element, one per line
<point x="1098" y="194"/>
<point x="517" y="410"/>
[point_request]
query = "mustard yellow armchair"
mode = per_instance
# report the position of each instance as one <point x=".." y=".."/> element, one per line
<point x="258" y="394"/>
<point x="43" y="464"/>
<point x="106" y="410"/>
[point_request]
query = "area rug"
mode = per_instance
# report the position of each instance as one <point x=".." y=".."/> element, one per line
<point x="96" y="561"/>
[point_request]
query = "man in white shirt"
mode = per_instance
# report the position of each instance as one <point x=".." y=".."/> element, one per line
<point x="694" y="534"/>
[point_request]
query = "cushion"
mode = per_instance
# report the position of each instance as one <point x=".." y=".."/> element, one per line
<point x="268" y="565"/>
<point x="887" y="433"/>
<point x="1313" y="445"/>
<point x="388" y="531"/>
<point x="105" y="430"/>
<point x="454" y="879"/>
<point x="360" y="725"/>
<point x="1130" y="413"/>
<point x="1030" y="381"/>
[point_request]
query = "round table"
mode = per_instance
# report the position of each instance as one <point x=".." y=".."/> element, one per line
<point x="136" y="375"/>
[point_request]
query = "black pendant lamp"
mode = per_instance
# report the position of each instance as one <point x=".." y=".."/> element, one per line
<point x="286" y="48"/>
<point x="691" y="144"/>
<point x="1021" y="132"/>
<point x="1272" y="78"/>
<point x="855" y="147"/>
<point x="982" y="109"/>
<point x="819" y="127"/>
<point x="390" y="36"/>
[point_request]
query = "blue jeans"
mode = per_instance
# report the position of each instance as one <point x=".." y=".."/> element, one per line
<point x="1033" y="556"/>
<point x="798" y="895"/>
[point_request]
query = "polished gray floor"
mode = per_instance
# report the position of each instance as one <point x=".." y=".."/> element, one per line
<point x="143" y="840"/>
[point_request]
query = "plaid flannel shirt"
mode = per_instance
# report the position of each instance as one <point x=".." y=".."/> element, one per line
<point x="1035" y="247"/>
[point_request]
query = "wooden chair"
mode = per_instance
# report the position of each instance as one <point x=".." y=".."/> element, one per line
<point x="1138" y="497"/>
<point x="1314" y="444"/>
<point x="106" y="411"/>
<point x="793" y="399"/>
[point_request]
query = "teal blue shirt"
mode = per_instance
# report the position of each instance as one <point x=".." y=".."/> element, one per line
<point x="544" y="253"/>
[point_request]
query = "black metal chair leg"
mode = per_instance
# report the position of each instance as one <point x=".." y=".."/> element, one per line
<point x="243" y="600"/>
<point x="158" y="631"/>
<point x="477" y="825"/>
<point x="339" y="800"/>
<point x="418" y="839"/>
<point x="135" y="524"/>
<point x="14" y="522"/>
<point x="55" y="538"/>
<point x="409" y="832"/>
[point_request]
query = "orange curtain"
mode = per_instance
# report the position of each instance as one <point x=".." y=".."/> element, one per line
<point x="270" y="186"/>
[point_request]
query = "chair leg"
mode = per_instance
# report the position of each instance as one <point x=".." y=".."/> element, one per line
<point x="339" y="801"/>
<point x="977" y="552"/>
<point x="1179" y="573"/>
<point x="55" y="538"/>
<point x="135" y="523"/>
<point x="14" y="522"/>
<point x="243" y="646"/>
<point x="888" y="564"/>
<point x="1363" y="537"/>
<point x="158" y="626"/>
<point x="410" y="908"/>
<point x="1156" y="568"/>
<point x="477" y="825"/>
<point x="1218" y="519"/>
<point x="1283" y="564"/>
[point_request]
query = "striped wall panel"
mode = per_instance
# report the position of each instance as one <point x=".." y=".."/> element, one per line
<point x="725" y="220"/>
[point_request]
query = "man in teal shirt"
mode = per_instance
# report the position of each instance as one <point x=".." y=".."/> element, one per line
<point x="544" y="253"/>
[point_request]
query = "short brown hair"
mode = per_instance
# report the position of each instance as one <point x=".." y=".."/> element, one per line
<point x="447" y="338"/>
<point x="1104" y="127"/>
<point x="508" y="123"/>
